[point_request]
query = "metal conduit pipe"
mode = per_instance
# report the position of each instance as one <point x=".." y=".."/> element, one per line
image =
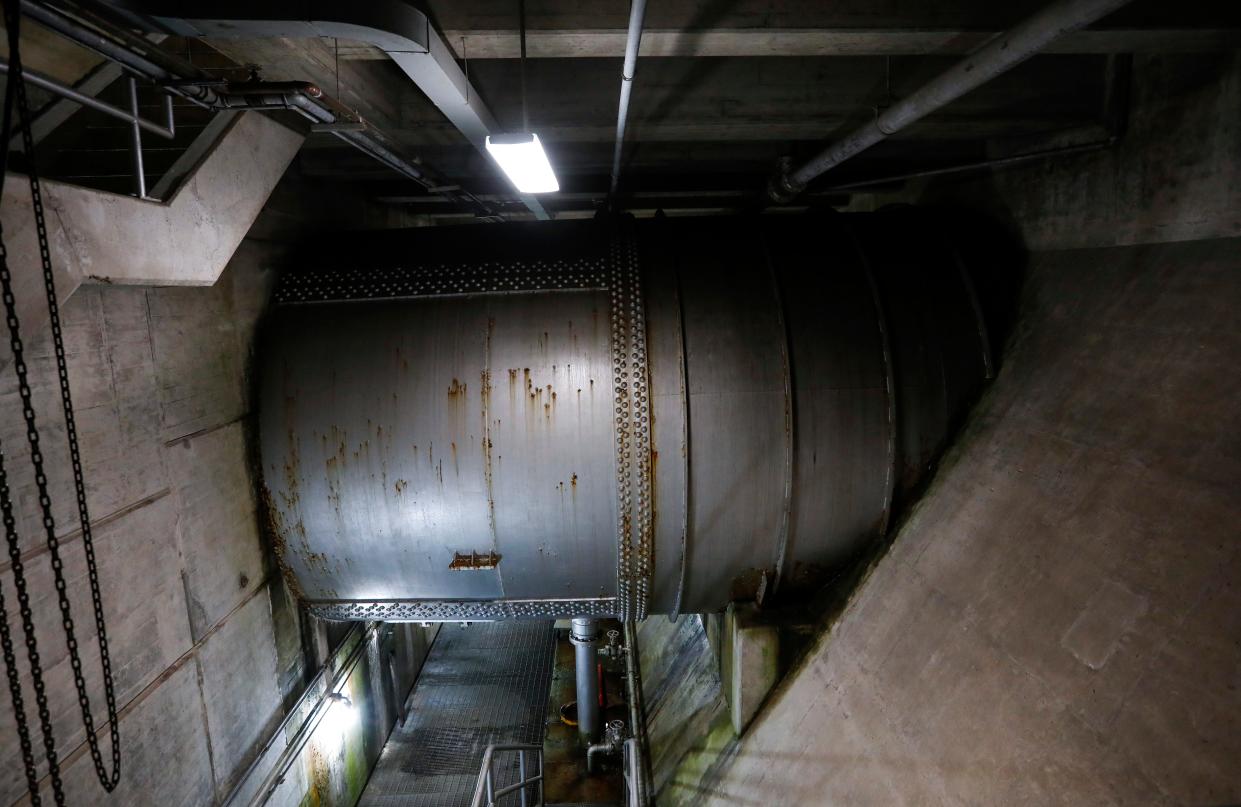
<point x="998" y="162"/>
<point x="1000" y="54"/>
<point x="585" y="638"/>
<point x="613" y="742"/>
<point x="309" y="101"/>
<point x="153" y="66"/>
<point x="637" y="12"/>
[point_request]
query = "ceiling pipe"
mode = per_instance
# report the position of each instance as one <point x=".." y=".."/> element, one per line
<point x="139" y="55"/>
<point x="187" y="81"/>
<point x="1001" y="53"/>
<point x="326" y="112"/>
<point x="397" y="28"/>
<point x="637" y="12"/>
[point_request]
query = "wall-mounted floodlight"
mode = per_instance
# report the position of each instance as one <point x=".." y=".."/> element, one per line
<point x="339" y="718"/>
<point x="523" y="161"/>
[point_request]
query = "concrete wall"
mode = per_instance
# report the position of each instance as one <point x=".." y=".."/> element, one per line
<point x="1057" y="619"/>
<point x="324" y="758"/>
<point x="207" y="646"/>
<point x="686" y="713"/>
<point x="161" y="399"/>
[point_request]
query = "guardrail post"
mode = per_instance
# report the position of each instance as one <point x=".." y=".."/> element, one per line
<point x="521" y="773"/>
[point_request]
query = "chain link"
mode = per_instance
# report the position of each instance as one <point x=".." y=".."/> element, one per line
<point x="6" y="638"/>
<point x="108" y="779"/>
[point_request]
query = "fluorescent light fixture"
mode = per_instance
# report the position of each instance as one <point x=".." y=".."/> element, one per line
<point x="523" y="160"/>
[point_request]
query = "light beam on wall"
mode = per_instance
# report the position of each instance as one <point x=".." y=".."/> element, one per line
<point x="339" y="718"/>
<point x="520" y="155"/>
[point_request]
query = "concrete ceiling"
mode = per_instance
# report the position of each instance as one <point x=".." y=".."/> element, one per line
<point x="726" y="88"/>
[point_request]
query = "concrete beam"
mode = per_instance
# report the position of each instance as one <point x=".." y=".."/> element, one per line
<point x="100" y="237"/>
<point x="610" y="43"/>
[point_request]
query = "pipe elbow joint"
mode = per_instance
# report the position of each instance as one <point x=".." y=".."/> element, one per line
<point x="782" y="188"/>
<point x="592" y="751"/>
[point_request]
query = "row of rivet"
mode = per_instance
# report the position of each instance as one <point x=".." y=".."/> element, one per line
<point x="622" y="409"/>
<point x="462" y="611"/>
<point x="440" y="279"/>
<point x="632" y="410"/>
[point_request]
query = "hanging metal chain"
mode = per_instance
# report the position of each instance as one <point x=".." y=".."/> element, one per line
<point x="15" y="555"/>
<point x="108" y="779"/>
<point x="6" y="638"/>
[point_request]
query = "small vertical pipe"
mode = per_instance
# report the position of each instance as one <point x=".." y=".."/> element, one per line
<point x="170" y="121"/>
<point x="539" y="803"/>
<point x="521" y="774"/>
<point x="525" y="114"/>
<point x="491" y="791"/>
<point x="140" y="181"/>
<point x="585" y="638"/>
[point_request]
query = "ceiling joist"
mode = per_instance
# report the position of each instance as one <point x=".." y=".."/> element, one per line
<point x="610" y="43"/>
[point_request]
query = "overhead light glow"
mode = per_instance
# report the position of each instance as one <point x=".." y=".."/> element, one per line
<point x="523" y="160"/>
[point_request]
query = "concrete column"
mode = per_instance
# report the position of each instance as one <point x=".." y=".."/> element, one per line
<point x="585" y="638"/>
<point x="749" y="662"/>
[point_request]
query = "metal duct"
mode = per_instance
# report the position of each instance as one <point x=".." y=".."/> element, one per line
<point x="999" y="55"/>
<point x="607" y="417"/>
<point x="175" y="76"/>
<point x="397" y="28"/>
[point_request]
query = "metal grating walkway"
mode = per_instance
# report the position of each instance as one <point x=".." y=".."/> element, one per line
<point x="482" y="684"/>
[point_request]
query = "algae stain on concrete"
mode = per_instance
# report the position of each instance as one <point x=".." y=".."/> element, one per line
<point x="697" y="768"/>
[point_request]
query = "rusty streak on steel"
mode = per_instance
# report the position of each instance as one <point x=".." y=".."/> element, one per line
<point x="486" y="444"/>
<point x="473" y="560"/>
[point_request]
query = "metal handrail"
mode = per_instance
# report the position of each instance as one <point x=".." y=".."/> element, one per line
<point x="485" y="793"/>
<point x="641" y="779"/>
<point x="633" y="773"/>
<point x="295" y="735"/>
<point x="136" y="122"/>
